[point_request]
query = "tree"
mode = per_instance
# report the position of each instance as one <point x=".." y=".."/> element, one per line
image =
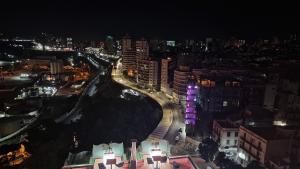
<point x="208" y="148"/>
<point x="219" y="158"/>
<point x="225" y="163"/>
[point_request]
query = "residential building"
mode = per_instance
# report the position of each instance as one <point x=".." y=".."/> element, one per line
<point x="142" y="62"/>
<point x="191" y="108"/>
<point x="147" y="76"/>
<point x="168" y="66"/>
<point x="220" y="91"/>
<point x="288" y="98"/>
<point x="128" y="56"/>
<point x="148" y="155"/>
<point x="225" y="133"/>
<point x="109" y="45"/>
<point x="269" y="96"/>
<point x="142" y="49"/>
<point x="264" y="144"/>
<point x="69" y="42"/>
<point x="181" y="78"/>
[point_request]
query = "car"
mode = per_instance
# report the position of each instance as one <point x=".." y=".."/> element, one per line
<point x="229" y="154"/>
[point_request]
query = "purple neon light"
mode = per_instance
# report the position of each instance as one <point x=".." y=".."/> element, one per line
<point x="190" y="111"/>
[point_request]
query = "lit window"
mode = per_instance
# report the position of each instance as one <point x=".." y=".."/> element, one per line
<point x="225" y="103"/>
<point x="227" y="83"/>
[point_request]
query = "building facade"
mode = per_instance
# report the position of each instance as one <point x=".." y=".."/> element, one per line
<point x="168" y="66"/>
<point x="191" y="110"/>
<point x="181" y="79"/>
<point x="225" y="133"/>
<point x="147" y="76"/>
<point x="270" y="95"/>
<point x="220" y="92"/>
<point x="128" y="56"/>
<point x="264" y="144"/>
<point x="142" y="49"/>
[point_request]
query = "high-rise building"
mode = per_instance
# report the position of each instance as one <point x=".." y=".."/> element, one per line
<point x="181" y="78"/>
<point x="142" y="49"/>
<point x="153" y="74"/>
<point x="269" y="96"/>
<point x="168" y="66"/>
<point x="69" y="42"/>
<point x="147" y="76"/>
<point x="128" y="56"/>
<point x="142" y="62"/>
<point x="191" y="107"/>
<point x="109" y="45"/>
<point x="127" y="43"/>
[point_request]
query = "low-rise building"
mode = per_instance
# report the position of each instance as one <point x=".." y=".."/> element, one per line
<point x="148" y="155"/>
<point x="225" y="133"/>
<point x="264" y="144"/>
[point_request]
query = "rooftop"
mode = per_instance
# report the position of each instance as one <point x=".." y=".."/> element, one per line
<point x="273" y="132"/>
<point x="148" y="155"/>
<point x="226" y="124"/>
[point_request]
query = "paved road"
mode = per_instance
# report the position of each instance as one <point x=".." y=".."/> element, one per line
<point x="89" y="90"/>
<point x="172" y="119"/>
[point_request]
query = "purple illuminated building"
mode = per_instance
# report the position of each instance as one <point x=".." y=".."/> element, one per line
<point x="191" y="106"/>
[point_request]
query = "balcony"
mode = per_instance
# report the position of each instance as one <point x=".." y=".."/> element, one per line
<point x="243" y="139"/>
<point x="253" y="155"/>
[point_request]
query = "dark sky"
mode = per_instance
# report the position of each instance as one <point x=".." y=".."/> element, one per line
<point x="167" y="19"/>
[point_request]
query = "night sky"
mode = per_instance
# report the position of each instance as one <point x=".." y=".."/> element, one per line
<point x="165" y="19"/>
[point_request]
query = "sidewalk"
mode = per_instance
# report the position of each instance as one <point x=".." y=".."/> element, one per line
<point x="162" y="128"/>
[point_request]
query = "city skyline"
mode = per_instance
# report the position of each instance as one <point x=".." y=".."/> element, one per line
<point x="149" y="85"/>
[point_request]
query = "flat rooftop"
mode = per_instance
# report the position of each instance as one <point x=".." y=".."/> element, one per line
<point x="226" y="124"/>
<point x="273" y="132"/>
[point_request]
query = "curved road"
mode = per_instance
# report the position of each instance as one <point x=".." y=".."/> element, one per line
<point x="172" y="118"/>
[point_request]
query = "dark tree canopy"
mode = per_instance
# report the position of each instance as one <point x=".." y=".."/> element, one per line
<point x="208" y="148"/>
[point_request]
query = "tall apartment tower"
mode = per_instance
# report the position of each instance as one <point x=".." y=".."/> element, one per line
<point x="142" y="49"/>
<point x="128" y="56"/>
<point x="181" y="78"/>
<point x="168" y="65"/>
<point x="142" y="62"/>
